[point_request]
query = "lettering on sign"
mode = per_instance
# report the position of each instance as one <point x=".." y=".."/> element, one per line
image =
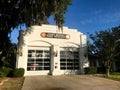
<point x="54" y="35"/>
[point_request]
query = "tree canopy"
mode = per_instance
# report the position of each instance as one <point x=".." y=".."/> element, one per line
<point x="29" y="12"/>
<point x="15" y="12"/>
<point x="106" y="45"/>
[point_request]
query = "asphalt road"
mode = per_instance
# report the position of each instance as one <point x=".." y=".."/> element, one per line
<point x="69" y="82"/>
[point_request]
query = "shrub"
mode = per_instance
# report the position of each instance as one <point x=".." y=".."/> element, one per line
<point x="10" y="73"/>
<point x="2" y="75"/>
<point x="90" y="70"/>
<point x="101" y="70"/>
<point x="18" y="72"/>
<point x="5" y="70"/>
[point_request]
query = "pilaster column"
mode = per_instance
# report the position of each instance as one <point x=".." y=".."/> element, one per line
<point x="55" y="60"/>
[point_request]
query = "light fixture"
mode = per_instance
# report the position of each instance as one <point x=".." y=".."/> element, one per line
<point x="20" y="51"/>
<point x="56" y="53"/>
<point x="67" y="36"/>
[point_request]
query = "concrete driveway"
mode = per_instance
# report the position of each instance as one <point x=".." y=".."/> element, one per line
<point x="69" y="82"/>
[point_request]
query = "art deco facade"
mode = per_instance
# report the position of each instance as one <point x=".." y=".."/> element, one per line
<point x="45" y="50"/>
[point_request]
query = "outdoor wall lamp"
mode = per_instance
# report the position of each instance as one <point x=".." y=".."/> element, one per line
<point x="20" y="51"/>
<point x="56" y="53"/>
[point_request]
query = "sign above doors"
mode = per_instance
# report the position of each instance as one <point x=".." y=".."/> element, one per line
<point x="54" y="35"/>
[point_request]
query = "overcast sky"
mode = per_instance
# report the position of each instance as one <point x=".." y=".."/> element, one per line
<point x="89" y="16"/>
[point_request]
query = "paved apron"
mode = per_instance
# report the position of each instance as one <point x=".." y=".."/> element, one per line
<point x="69" y="82"/>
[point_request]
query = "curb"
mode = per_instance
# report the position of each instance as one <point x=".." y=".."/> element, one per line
<point x="3" y="81"/>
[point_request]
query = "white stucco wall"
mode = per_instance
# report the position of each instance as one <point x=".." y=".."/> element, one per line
<point x="32" y="38"/>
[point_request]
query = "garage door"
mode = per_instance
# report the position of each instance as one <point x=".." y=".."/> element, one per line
<point x="38" y="59"/>
<point x="69" y="58"/>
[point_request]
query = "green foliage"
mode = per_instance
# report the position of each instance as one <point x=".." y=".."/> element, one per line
<point x="15" y="13"/>
<point x="106" y="46"/>
<point x="18" y="72"/>
<point x="90" y="70"/>
<point x="5" y="70"/>
<point x="30" y="12"/>
<point x="2" y="75"/>
<point x="8" y="56"/>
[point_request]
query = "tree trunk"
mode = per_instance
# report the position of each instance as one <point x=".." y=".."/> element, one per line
<point x="107" y="72"/>
<point x="109" y="63"/>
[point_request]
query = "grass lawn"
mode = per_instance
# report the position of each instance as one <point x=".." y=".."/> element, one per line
<point x="115" y="75"/>
<point x="12" y="84"/>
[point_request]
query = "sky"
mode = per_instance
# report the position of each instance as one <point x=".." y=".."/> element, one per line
<point x="88" y="16"/>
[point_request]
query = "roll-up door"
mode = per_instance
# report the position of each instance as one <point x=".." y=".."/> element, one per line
<point x="69" y="58"/>
<point x="38" y="59"/>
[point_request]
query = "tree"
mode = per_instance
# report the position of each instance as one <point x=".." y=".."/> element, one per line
<point x="106" y="45"/>
<point x="15" y="12"/>
<point x="9" y="57"/>
<point x="29" y="12"/>
<point x="92" y="57"/>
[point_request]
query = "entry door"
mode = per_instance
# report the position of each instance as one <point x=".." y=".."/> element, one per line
<point x="69" y="58"/>
<point x="38" y="59"/>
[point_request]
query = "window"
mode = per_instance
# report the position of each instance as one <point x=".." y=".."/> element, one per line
<point x="69" y="59"/>
<point x="38" y="60"/>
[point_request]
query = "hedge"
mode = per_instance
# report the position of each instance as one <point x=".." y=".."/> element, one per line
<point x="18" y="72"/>
<point x="2" y="75"/>
<point x="90" y="70"/>
<point x="5" y="70"/>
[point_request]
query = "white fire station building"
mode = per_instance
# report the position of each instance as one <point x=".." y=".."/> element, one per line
<point x="46" y="50"/>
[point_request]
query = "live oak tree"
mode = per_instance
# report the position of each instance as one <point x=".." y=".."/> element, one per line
<point x="28" y="12"/>
<point x="106" y="45"/>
